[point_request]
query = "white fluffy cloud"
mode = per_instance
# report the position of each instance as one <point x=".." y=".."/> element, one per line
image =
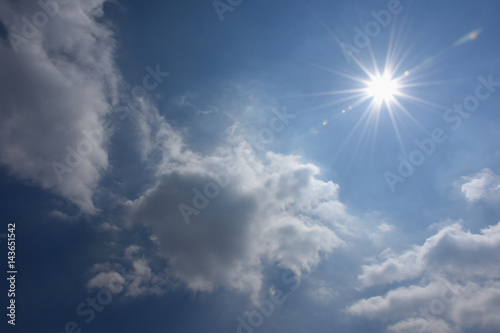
<point x="56" y="80"/>
<point x="250" y="212"/>
<point x="484" y="185"/>
<point x="449" y="251"/>
<point x="457" y="289"/>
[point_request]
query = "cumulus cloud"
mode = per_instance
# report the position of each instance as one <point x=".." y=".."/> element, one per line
<point x="243" y="213"/>
<point x="484" y="185"/>
<point x="57" y="79"/>
<point x="133" y="275"/>
<point x="457" y="289"/>
<point x="219" y="219"/>
<point x="450" y="250"/>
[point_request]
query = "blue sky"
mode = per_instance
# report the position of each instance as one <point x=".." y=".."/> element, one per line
<point x="251" y="166"/>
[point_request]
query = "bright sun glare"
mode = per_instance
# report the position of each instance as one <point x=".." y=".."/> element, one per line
<point x="382" y="88"/>
<point x="380" y="92"/>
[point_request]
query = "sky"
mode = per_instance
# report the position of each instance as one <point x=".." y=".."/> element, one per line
<point x="250" y="166"/>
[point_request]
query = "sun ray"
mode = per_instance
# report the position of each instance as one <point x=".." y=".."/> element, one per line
<point x="409" y="115"/>
<point x="333" y="92"/>
<point x="396" y="129"/>
<point x="421" y="100"/>
<point x="374" y="136"/>
<point x="331" y="70"/>
<point x="361" y="97"/>
<point x="351" y="133"/>
<point x="367" y="127"/>
<point x="383" y="91"/>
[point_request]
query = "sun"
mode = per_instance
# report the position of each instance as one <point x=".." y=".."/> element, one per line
<point x="382" y="88"/>
<point x="378" y="92"/>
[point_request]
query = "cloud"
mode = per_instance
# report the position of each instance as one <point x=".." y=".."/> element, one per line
<point x="321" y="291"/>
<point x="449" y="250"/>
<point x="61" y="81"/>
<point x="439" y="306"/>
<point x="105" y="280"/>
<point x="484" y="185"/>
<point x="457" y="284"/>
<point x="420" y="325"/>
<point x="241" y="213"/>
<point x="132" y="274"/>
